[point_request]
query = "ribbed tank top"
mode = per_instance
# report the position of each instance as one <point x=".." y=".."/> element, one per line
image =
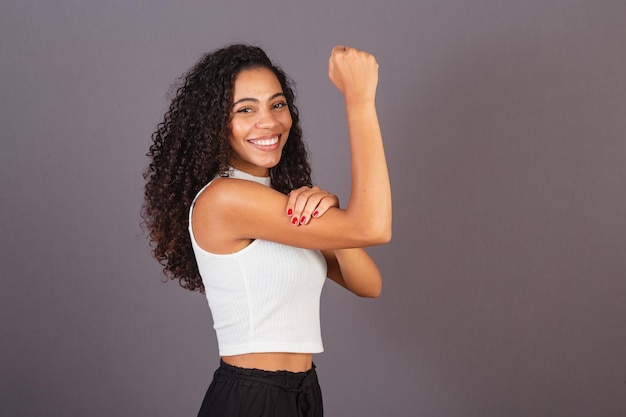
<point x="265" y="297"/>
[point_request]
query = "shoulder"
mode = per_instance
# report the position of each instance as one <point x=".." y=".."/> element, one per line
<point x="223" y="192"/>
<point x="231" y="201"/>
<point x="227" y="211"/>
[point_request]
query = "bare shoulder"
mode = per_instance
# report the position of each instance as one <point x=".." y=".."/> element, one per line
<point x="224" y="207"/>
<point x="227" y="194"/>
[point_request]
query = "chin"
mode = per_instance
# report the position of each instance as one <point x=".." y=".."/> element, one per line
<point x="270" y="164"/>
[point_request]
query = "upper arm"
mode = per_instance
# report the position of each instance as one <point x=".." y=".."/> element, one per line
<point x="238" y="210"/>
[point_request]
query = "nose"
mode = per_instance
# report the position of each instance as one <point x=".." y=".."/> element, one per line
<point x="266" y="119"/>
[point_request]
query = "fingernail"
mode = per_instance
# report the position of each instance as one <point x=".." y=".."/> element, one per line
<point x="289" y="212"/>
<point x="317" y="213"/>
<point x="294" y="220"/>
<point x="302" y="219"/>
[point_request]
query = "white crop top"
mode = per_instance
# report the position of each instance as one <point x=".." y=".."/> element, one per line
<point x="265" y="297"/>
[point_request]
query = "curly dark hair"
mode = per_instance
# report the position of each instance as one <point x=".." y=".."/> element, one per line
<point x="191" y="146"/>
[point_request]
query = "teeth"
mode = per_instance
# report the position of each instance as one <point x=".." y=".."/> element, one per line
<point x="265" y="142"/>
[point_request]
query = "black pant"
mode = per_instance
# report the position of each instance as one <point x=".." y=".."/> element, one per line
<point x="240" y="392"/>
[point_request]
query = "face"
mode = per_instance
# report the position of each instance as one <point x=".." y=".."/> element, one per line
<point x="260" y="121"/>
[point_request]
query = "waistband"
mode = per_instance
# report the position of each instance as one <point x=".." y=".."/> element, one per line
<point x="286" y="380"/>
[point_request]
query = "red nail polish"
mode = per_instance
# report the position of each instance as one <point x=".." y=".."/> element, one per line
<point x="294" y="220"/>
<point x="302" y="219"/>
<point x="289" y="212"/>
<point x="317" y="213"/>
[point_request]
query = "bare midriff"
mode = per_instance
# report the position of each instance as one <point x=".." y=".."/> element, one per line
<point x="293" y="362"/>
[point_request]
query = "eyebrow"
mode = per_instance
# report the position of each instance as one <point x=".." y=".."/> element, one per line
<point x="257" y="100"/>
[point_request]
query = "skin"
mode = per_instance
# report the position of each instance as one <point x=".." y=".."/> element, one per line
<point x="228" y="216"/>
<point x="260" y="121"/>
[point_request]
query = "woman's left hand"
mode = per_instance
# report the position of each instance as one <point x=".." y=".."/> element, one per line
<point x="306" y="203"/>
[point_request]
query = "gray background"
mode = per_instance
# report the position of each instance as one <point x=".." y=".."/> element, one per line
<point x="504" y="121"/>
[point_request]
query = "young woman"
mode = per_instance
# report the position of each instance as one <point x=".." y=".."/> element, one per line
<point x="231" y="212"/>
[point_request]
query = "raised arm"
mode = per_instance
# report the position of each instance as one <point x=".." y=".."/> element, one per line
<point x="231" y="212"/>
<point x="355" y="74"/>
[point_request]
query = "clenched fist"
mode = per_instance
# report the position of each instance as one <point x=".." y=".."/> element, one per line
<point x="354" y="73"/>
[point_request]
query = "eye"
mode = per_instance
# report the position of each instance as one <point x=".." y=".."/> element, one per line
<point x="280" y="105"/>
<point x="244" y="110"/>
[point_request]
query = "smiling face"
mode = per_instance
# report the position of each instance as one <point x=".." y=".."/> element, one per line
<point x="260" y="121"/>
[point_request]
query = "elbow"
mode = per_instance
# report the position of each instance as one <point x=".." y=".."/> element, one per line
<point x="369" y="230"/>
<point x="377" y="235"/>
<point x="385" y="236"/>
<point x="372" y="292"/>
<point x="372" y="289"/>
<point x="381" y="231"/>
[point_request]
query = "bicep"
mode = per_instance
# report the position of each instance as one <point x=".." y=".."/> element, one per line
<point x="237" y="209"/>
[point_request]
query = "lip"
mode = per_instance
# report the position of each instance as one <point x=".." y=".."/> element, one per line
<point x="267" y="142"/>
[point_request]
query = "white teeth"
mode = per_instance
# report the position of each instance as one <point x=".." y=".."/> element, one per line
<point x="265" y="142"/>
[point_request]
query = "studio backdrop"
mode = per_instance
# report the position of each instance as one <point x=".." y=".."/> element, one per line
<point x="505" y="130"/>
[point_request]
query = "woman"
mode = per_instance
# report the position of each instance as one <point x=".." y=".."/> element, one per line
<point x="232" y="212"/>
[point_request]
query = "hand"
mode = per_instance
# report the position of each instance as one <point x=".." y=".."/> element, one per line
<point x="306" y="203"/>
<point x="354" y="72"/>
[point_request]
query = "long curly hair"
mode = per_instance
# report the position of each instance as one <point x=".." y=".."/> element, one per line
<point x="191" y="146"/>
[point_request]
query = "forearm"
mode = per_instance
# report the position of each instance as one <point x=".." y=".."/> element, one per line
<point x="355" y="270"/>
<point x="370" y="197"/>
